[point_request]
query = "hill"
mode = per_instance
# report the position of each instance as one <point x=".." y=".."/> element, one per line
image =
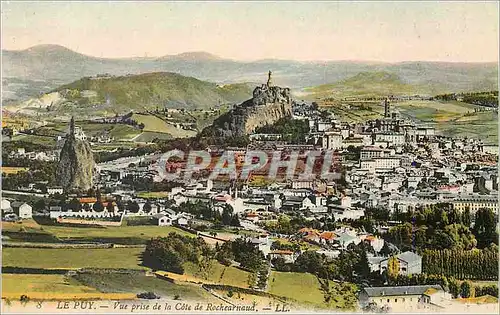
<point x="147" y="91"/>
<point x="192" y="56"/>
<point x="367" y="84"/>
<point x="55" y="65"/>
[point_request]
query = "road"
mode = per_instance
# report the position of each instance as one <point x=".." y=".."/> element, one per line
<point x="25" y="193"/>
<point x="124" y="162"/>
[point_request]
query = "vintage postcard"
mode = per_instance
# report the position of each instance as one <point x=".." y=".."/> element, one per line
<point x="249" y="157"/>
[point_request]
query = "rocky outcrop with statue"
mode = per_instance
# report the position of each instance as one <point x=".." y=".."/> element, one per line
<point x="75" y="169"/>
<point x="268" y="104"/>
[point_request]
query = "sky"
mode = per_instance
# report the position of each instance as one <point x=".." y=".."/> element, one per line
<point x="304" y="31"/>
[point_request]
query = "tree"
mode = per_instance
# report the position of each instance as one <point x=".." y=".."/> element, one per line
<point x="466" y="217"/>
<point x="311" y="262"/>
<point x="147" y="207"/>
<point x="110" y="207"/>
<point x="133" y="207"/>
<point x="252" y="279"/>
<point x="171" y="252"/>
<point x="402" y="235"/>
<point x="454" y="287"/>
<point x="40" y="205"/>
<point x="235" y="221"/>
<point x="206" y="262"/>
<point x="324" y="286"/>
<point x="393" y="267"/>
<point x="485" y="228"/>
<point x="279" y="264"/>
<point x="74" y="205"/>
<point x="461" y="237"/>
<point x="284" y="223"/>
<point x="98" y="206"/>
<point x="388" y="249"/>
<point x="442" y="217"/>
<point x="227" y="214"/>
<point x="363" y="267"/>
<point x="454" y="216"/>
<point x="467" y="290"/>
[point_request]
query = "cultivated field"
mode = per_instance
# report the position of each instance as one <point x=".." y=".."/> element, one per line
<point x="155" y="124"/>
<point x="449" y="118"/>
<point x="305" y="288"/>
<point x="49" y="287"/>
<point x="13" y="170"/>
<point x="219" y="274"/>
<point x="153" y="194"/>
<point x="139" y="282"/>
<point x="72" y="258"/>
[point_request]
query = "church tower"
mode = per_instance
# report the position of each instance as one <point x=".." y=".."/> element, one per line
<point x="387" y="108"/>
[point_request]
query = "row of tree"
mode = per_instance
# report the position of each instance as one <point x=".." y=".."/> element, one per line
<point x="462" y="264"/>
<point x="219" y="215"/>
<point x="489" y="99"/>
<point x="442" y="227"/>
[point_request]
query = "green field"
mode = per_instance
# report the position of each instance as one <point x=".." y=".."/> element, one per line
<point x="95" y="285"/>
<point x="42" y="140"/>
<point x="455" y="119"/>
<point x="305" y="288"/>
<point x="477" y="125"/>
<point x="138" y="282"/>
<point x="149" y="136"/>
<point x="143" y="232"/>
<point x="152" y="194"/>
<point x="155" y="124"/>
<point x="51" y="258"/>
<point x="117" y="235"/>
<point x="220" y="274"/>
<point x="24" y="284"/>
<point x="434" y="110"/>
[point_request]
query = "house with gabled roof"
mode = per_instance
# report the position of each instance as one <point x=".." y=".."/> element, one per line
<point x="22" y="209"/>
<point x="409" y="263"/>
<point x="162" y="219"/>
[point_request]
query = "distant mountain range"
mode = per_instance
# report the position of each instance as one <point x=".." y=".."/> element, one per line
<point x="45" y="67"/>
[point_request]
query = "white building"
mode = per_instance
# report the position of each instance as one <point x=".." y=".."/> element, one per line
<point x="371" y="152"/>
<point x="332" y="140"/>
<point x="22" y="209"/>
<point x="6" y="205"/>
<point x="54" y="190"/>
<point x="162" y="219"/>
<point x="390" y="137"/>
